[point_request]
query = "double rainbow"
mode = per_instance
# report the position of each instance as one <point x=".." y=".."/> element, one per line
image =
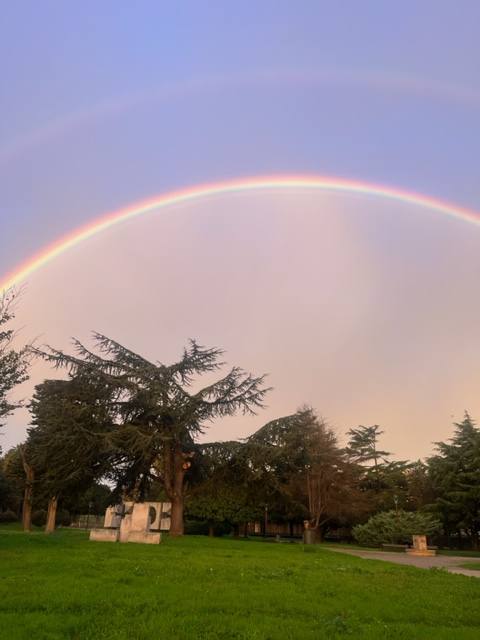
<point x="333" y="185"/>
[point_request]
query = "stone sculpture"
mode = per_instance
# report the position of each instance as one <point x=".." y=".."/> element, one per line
<point x="134" y="522"/>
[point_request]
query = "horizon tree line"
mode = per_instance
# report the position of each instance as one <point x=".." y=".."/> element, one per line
<point x="134" y="424"/>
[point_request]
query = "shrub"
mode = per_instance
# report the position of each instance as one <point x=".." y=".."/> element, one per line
<point x="8" y="516"/>
<point x="39" y="517"/>
<point x="391" y="527"/>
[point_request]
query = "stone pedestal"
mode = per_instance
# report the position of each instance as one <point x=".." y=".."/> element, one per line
<point x="145" y="537"/>
<point x="420" y="547"/>
<point x="104" y="535"/>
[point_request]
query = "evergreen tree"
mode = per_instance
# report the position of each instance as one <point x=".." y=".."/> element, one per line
<point x="230" y="491"/>
<point x="363" y="446"/>
<point x="303" y="469"/>
<point x="159" y="415"/>
<point x="455" y="473"/>
<point x="67" y="447"/>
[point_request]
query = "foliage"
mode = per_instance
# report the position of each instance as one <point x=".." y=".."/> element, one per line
<point x="63" y="586"/>
<point x="225" y="492"/>
<point x="13" y="363"/>
<point x="363" y="445"/>
<point x="66" y="444"/>
<point x="94" y="500"/>
<point x="12" y="480"/>
<point x="455" y="475"/>
<point x="395" y="528"/>
<point x="158" y="415"/>
<point x="305" y="473"/>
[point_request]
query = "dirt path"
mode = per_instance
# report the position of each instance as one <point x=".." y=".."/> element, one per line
<point x="450" y="563"/>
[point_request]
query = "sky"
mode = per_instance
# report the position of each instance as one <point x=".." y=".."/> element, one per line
<point x="364" y="308"/>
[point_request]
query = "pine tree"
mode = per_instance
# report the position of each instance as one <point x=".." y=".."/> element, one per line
<point x="303" y="467"/>
<point x="455" y="473"/>
<point x="363" y="446"/>
<point x="67" y="447"/>
<point x="159" y="415"/>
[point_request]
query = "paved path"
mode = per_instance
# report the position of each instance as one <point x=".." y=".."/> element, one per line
<point x="450" y="563"/>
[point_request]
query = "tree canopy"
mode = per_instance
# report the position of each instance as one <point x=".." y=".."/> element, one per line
<point x="158" y="414"/>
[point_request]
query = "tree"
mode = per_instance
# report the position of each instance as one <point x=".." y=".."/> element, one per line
<point x="13" y="472"/>
<point x="420" y="491"/>
<point x="363" y="446"/>
<point x="303" y="469"/>
<point x="158" y="413"/>
<point x="67" y="446"/>
<point x="94" y="500"/>
<point x="13" y="363"/>
<point x="226" y="492"/>
<point x="382" y="481"/>
<point x="455" y="474"/>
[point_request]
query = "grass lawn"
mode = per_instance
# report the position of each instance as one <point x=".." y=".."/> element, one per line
<point x="471" y="565"/>
<point x="464" y="554"/>
<point x="63" y="586"/>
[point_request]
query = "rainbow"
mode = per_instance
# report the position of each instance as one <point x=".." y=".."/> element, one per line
<point x="320" y="183"/>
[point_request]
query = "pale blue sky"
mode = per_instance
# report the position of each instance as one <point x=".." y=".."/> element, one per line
<point x="105" y="103"/>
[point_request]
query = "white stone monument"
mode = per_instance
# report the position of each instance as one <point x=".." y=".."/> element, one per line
<point x="134" y="522"/>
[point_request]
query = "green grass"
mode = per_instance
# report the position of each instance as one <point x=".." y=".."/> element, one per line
<point x="64" y="587"/>
<point x="17" y="527"/>
<point x="475" y="566"/>
<point x="458" y="553"/>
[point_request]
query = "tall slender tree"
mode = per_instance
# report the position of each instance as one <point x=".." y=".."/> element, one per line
<point x="159" y="413"/>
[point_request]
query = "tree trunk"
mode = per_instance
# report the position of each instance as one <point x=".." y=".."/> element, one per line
<point x="245" y="530"/>
<point x="27" y="509"/>
<point x="236" y="530"/>
<point x="176" y="464"/>
<point x="28" y="494"/>
<point x="211" y="530"/>
<point x="51" y="514"/>
<point x="176" y="522"/>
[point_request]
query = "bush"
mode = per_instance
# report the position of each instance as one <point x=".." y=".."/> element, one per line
<point x="8" y="516"/>
<point x="391" y="527"/>
<point x="39" y="518"/>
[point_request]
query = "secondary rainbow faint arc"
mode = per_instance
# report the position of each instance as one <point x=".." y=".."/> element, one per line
<point x="321" y="183"/>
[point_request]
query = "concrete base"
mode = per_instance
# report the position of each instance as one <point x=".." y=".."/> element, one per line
<point x="145" y="537"/>
<point x="426" y="553"/>
<point x="104" y="535"/>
